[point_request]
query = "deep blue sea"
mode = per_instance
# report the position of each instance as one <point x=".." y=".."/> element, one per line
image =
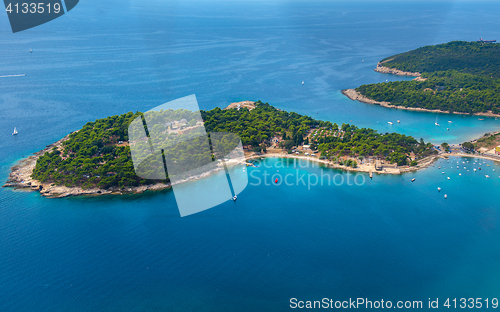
<point x="386" y="239"/>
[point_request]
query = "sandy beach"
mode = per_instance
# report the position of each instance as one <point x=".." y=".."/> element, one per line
<point x="362" y="167"/>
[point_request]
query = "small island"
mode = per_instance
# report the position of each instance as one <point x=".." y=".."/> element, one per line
<point x="456" y="77"/>
<point x="97" y="160"/>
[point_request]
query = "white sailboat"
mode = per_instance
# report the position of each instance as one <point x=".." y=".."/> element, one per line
<point x="436" y="123"/>
<point x="302" y="82"/>
<point x="15" y="131"/>
<point x="31" y="51"/>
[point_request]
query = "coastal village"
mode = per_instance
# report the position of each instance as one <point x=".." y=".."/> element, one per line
<point x="371" y="165"/>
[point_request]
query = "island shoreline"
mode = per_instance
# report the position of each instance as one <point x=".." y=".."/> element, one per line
<point x="20" y="176"/>
<point x="63" y="191"/>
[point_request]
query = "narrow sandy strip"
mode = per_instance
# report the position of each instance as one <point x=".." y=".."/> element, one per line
<point x="367" y="168"/>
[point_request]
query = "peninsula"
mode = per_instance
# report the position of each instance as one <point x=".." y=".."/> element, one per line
<point x="96" y="159"/>
<point x="456" y="77"/>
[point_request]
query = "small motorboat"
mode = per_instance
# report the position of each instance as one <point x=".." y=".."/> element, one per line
<point x="390" y="123"/>
<point x="302" y="82"/>
<point x="413" y="180"/>
<point x="439" y="189"/>
<point x="399" y="121"/>
<point x="445" y="196"/>
<point x="449" y="178"/>
<point x="235" y="198"/>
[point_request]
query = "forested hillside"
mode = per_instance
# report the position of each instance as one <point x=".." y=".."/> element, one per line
<point x="99" y="155"/>
<point x="466" y="57"/>
<point x="449" y="91"/>
<point x="459" y="77"/>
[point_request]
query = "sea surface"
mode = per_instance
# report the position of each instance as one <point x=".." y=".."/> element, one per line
<point x="387" y="238"/>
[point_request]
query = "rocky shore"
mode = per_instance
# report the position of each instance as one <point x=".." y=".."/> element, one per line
<point x="20" y="178"/>
<point x="356" y="96"/>
<point x="386" y="70"/>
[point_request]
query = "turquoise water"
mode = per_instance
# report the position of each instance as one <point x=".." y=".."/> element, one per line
<point x="135" y="253"/>
<point x="386" y="239"/>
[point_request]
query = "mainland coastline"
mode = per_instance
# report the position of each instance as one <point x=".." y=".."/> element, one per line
<point x="464" y="77"/>
<point x="356" y="96"/>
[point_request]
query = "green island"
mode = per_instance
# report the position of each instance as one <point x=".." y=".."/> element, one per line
<point x="455" y="77"/>
<point x="98" y="156"/>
